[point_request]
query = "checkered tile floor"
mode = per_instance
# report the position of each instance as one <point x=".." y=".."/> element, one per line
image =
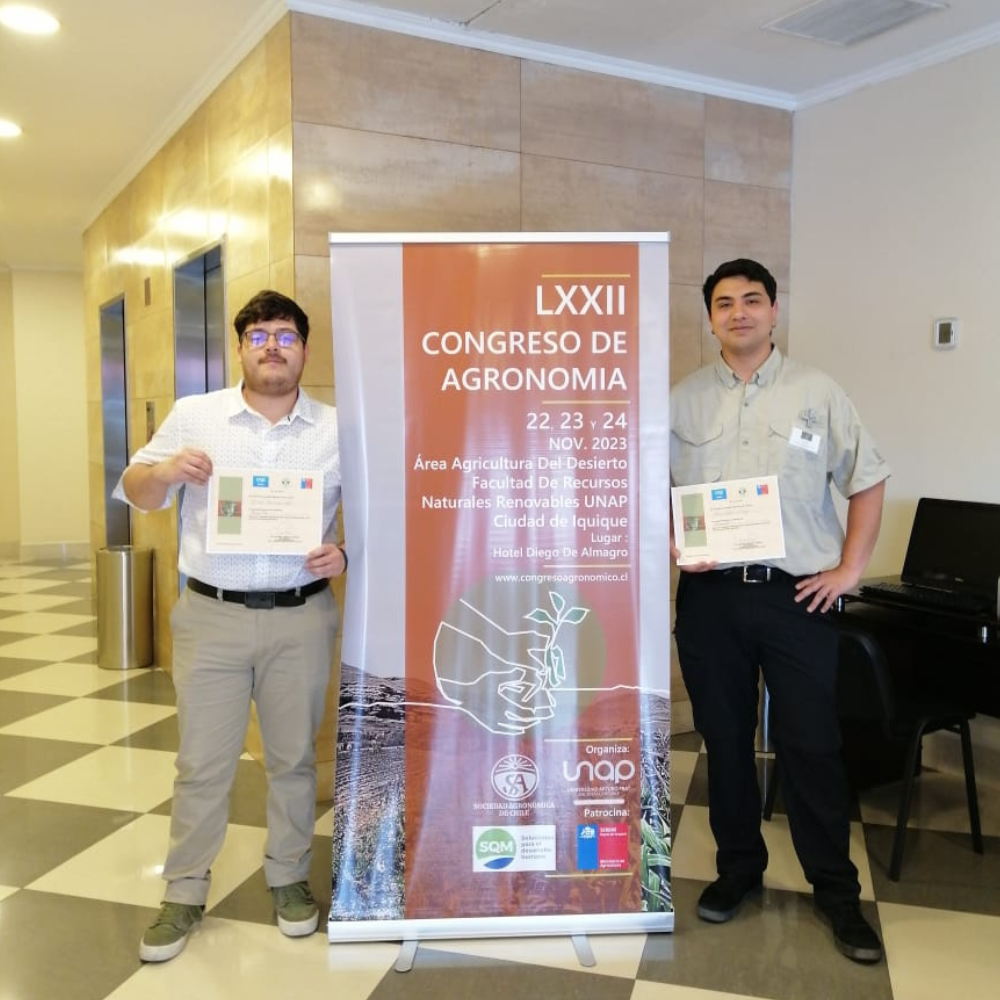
<point x="86" y="769"/>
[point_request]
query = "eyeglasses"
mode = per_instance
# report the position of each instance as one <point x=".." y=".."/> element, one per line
<point x="283" y="338"/>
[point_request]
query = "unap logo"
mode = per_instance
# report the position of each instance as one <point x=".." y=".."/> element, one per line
<point x="261" y="481"/>
<point x="719" y="493"/>
<point x="514" y="777"/>
<point x="493" y="850"/>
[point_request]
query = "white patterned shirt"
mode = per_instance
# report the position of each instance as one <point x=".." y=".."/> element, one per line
<point x="236" y="436"/>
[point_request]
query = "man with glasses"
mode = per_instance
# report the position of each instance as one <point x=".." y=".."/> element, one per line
<point x="246" y="627"/>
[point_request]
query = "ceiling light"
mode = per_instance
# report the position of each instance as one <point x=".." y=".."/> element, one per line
<point x="30" y="20"/>
<point x="8" y="130"/>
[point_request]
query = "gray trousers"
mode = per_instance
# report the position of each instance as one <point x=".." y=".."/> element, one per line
<point x="224" y="656"/>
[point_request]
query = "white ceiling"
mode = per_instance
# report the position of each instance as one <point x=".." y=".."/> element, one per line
<point x="97" y="99"/>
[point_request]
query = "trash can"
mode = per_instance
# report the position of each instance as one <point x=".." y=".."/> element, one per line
<point x="124" y="607"/>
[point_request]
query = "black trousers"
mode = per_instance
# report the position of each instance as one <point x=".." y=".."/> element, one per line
<point x="727" y="633"/>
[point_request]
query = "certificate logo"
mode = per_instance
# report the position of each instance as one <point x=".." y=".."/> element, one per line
<point x="307" y="484"/>
<point x="262" y="481"/>
<point x="514" y="777"/>
<point x="762" y="489"/>
<point x="719" y="494"/>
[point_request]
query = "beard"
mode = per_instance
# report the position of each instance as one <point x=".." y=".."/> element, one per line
<point x="271" y="376"/>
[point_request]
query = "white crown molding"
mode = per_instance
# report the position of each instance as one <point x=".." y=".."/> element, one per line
<point x="457" y="34"/>
<point x="933" y="56"/>
<point x="253" y="31"/>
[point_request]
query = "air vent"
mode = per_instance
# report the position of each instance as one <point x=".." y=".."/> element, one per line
<point x="847" y="22"/>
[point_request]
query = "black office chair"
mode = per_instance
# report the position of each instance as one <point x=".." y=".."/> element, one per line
<point x="866" y="693"/>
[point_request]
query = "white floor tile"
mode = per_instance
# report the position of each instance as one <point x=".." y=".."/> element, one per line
<point x="26" y="585"/>
<point x="111" y="777"/>
<point x="70" y="679"/>
<point x="324" y="824"/>
<point x="43" y="622"/>
<point x="33" y="602"/>
<point x="230" y="958"/>
<point x="126" y="866"/>
<point x="616" y="954"/>
<point x="7" y="890"/>
<point x="90" y="720"/>
<point x="52" y="648"/>
<point x="940" y="953"/>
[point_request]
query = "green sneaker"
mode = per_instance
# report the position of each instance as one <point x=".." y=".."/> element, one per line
<point x="168" y="934"/>
<point x="298" y="913"/>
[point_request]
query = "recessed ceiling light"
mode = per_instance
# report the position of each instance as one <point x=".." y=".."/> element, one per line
<point x="30" y="20"/>
<point x="8" y="130"/>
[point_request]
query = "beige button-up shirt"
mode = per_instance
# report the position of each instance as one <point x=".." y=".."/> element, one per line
<point x="789" y="421"/>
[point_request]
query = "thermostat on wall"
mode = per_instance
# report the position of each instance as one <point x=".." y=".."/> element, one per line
<point x="945" y="333"/>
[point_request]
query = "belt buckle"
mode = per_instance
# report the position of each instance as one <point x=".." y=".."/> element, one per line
<point x="766" y="578"/>
<point x="260" y="600"/>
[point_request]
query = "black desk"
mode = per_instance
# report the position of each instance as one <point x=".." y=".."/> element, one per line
<point x="959" y="651"/>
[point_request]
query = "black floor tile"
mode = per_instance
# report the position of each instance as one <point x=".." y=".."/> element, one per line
<point x="152" y="687"/>
<point x="972" y="884"/>
<point x="437" y="973"/>
<point x="67" y="947"/>
<point x="84" y="629"/>
<point x="17" y="705"/>
<point x="36" y="836"/>
<point x="776" y="946"/>
<point x="24" y="758"/>
<point x="11" y="666"/>
<point x="160" y="735"/>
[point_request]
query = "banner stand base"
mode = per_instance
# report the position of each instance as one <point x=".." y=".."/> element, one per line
<point x="584" y="953"/>
<point x="407" y="953"/>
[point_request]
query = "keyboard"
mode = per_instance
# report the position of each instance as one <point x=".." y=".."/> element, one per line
<point x="926" y="597"/>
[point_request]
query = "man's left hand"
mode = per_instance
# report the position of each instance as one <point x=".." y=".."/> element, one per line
<point x="823" y="589"/>
<point x="326" y="561"/>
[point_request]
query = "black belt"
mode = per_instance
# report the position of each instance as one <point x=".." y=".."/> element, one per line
<point x="260" y="599"/>
<point x="756" y="573"/>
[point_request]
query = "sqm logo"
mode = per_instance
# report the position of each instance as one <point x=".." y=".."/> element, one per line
<point x="494" y="849"/>
<point x="514" y="777"/>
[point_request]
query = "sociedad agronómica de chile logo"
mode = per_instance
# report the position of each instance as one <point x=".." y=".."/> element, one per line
<point x="514" y="777"/>
<point x="494" y="849"/>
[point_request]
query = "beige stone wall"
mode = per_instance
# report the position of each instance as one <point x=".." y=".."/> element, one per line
<point x="393" y="133"/>
<point x="328" y="126"/>
<point x="225" y="176"/>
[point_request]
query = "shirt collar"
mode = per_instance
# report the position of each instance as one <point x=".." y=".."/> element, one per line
<point x="763" y="376"/>
<point x="303" y="409"/>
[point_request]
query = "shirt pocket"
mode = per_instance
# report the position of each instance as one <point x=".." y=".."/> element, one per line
<point x="801" y="473"/>
<point x="696" y="455"/>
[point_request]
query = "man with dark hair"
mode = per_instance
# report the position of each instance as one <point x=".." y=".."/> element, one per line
<point x="754" y="413"/>
<point x="246" y="627"/>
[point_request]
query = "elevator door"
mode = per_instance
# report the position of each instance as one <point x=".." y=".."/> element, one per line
<point x="200" y="324"/>
<point x="114" y="417"/>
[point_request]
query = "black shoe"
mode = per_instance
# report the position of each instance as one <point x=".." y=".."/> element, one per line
<point x="852" y="934"/>
<point x="720" y="901"/>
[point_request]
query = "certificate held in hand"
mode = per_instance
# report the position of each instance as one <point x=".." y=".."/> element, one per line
<point x="265" y="511"/>
<point x="736" y="521"/>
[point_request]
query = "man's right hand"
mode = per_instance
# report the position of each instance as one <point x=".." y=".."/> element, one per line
<point x="147" y="485"/>
<point x="189" y="465"/>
